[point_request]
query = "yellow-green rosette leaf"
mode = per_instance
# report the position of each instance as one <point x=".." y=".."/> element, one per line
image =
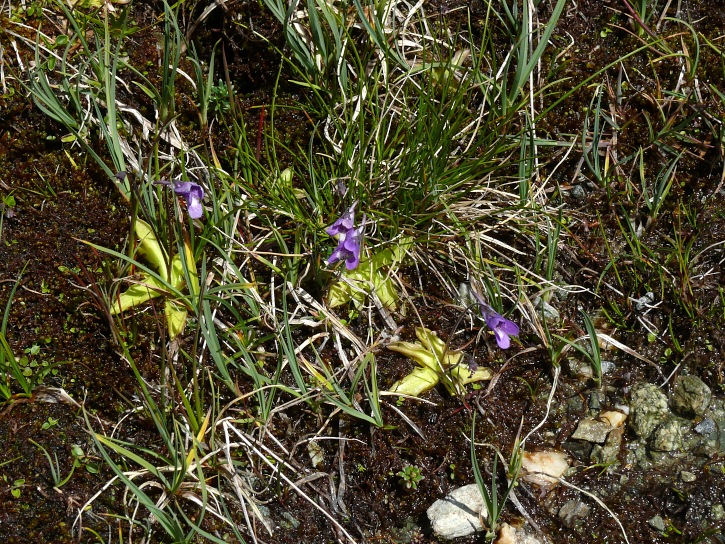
<point x="150" y="248"/>
<point x="445" y="358"/>
<point x="416" y="383"/>
<point x="191" y="267"/>
<point x="143" y="291"/>
<point x="463" y="375"/>
<point x="151" y="287"/>
<point x="370" y="274"/>
<point x="181" y="267"/>
<point x="436" y="363"/>
<point x="175" y="317"/>
<point x="417" y="353"/>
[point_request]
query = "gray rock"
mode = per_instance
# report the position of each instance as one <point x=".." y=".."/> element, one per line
<point x="580" y="451"/>
<point x="459" y="513"/>
<point x="690" y="396"/>
<point x="644" y="302"/>
<point x="596" y="398"/>
<point x="573" y="511"/>
<point x="574" y="405"/>
<point x="649" y="409"/>
<point x="578" y="192"/>
<point x="550" y="313"/>
<point x="717" y="512"/>
<point x="579" y="369"/>
<point x="610" y="451"/>
<point x="657" y="523"/>
<point x="706" y="427"/>
<point x="591" y="430"/>
<point x="608" y="367"/>
<point x="687" y="476"/>
<point x="717" y="414"/>
<point x="667" y="437"/>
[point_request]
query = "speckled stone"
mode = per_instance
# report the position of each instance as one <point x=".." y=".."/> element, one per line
<point x="649" y="409"/>
<point x="591" y="430"/>
<point x="573" y="511"/>
<point x="667" y="437"/>
<point x="657" y="523"/>
<point x="690" y="396"/>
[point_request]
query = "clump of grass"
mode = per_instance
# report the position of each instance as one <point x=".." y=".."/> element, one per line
<point x="494" y="501"/>
<point x="12" y="374"/>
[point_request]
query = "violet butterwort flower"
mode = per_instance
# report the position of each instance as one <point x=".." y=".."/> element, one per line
<point x="348" y="249"/>
<point x="345" y="224"/>
<point x="192" y="192"/>
<point x="502" y="328"/>
<point x="349" y="239"/>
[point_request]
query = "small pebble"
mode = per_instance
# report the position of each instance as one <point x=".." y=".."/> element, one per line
<point x="706" y="426"/>
<point x="578" y="192"/>
<point x="657" y="523"/>
<point x="591" y="430"/>
<point x="613" y="417"/>
<point x="644" y="302"/>
<point x="459" y="513"/>
<point x="544" y="468"/>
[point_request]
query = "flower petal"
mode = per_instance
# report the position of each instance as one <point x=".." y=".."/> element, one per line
<point x="339" y="254"/>
<point x="349" y="240"/>
<point x="345" y="223"/>
<point x="193" y="205"/>
<point x="493" y="319"/>
<point x="353" y="259"/>
<point x="509" y="327"/>
<point x="501" y="327"/>
<point x="502" y="339"/>
<point x="193" y="193"/>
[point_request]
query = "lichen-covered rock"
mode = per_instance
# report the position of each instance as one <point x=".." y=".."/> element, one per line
<point x="667" y="437"/>
<point x="690" y="396"/>
<point x="574" y="511"/>
<point x="609" y="453"/>
<point x="649" y="409"/>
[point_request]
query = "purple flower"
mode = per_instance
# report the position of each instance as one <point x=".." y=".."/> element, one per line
<point x="348" y="249"/>
<point x="192" y="192"/>
<point x="343" y="225"/>
<point x="349" y="239"/>
<point x="502" y="328"/>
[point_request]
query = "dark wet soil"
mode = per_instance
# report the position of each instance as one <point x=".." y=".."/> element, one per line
<point x="61" y="198"/>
